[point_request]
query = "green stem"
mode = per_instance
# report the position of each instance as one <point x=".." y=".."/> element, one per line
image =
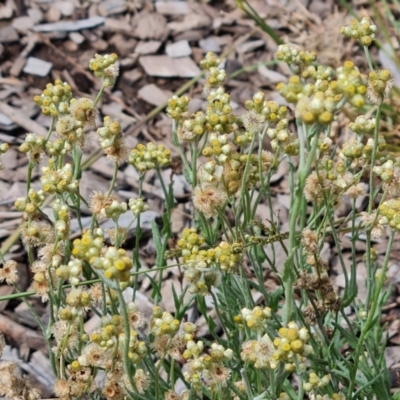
<point x="114" y="178"/>
<point x="371" y="316"/>
<point x="288" y="275"/>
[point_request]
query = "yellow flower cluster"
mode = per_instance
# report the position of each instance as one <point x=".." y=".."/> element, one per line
<point x="363" y="30"/>
<point x="270" y="110"/>
<point x="389" y="213"/>
<point x="55" y="98"/>
<point x="58" y="180"/>
<point x="177" y="106"/>
<point x="163" y="323"/>
<point x="34" y="147"/>
<point x="219" y="116"/>
<point x="30" y="204"/>
<point x="137" y="206"/>
<point x="255" y="319"/>
<point x="110" y="328"/>
<point x="292" y="342"/>
<point x="62" y="224"/>
<point x="362" y="125"/>
<point x="105" y="67"/>
<point x="144" y="158"/>
<point x="190" y="244"/>
<point x="315" y="382"/>
<point x="296" y="59"/>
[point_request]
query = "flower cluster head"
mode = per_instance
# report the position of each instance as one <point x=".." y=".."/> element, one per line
<point x="58" y="181"/>
<point x="192" y="127"/>
<point x="255" y="319"/>
<point x="84" y="111"/>
<point x="115" y="264"/>
<point x="55" y="98"/>
<point x="34" y="147"/>
<point x="364" y="31"/>
<point x="72" y="271"/>
<point x="144" y="158"/>
<point x="163" y="323"/>
<point x="350" y="83"/>
<point x="380" y="84"/>
<point x="111" y="140"/>
<point x="219" y="116"/>
<point x="31" y="203"/>
<point x="362" y="125"/>
<point x="9" y="272"/>
<point x="291" y="343"/>
<point x="62" y="223"/>
<point x="281" y="137"/>
<point x="177" y="106"/>
<point x="89" y="247"/>
<point x="259" y="353"/>
<point x="320" y="108"/>
<point x="216" y="76"/>
<point x="228" y="256"/>
<point x="207" y="368"/>
<point x="70" y="131"/>
<point x="389" y="213"/>
<point x="14" y="385"/>
<point x="208" y="197"/>
<point x="138" y="206"/>
<point x="270" y="110"/>
<point x="315" y="382"/>
<point x="105" y="67"/>
<point x="296" y="59"/>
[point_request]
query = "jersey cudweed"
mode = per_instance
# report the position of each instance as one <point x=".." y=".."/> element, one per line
<point x="274" y="324"/>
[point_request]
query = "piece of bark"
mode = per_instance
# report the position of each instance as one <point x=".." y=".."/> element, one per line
<point x="38" y="67"/>
<point x="148" y="47"/>
<point x="22" y="120"/>
<point x="69" y="26"/>
<point x="172" y="7"/>
<point x="21" y="334"/>
<point x="150" y="26"/>
<point x="164" y="66"/>
<point x="153" y="95"/>
<point x="178" y="49"/>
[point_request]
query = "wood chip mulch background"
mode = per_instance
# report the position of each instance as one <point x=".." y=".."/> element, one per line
<point x="159" y="45"/>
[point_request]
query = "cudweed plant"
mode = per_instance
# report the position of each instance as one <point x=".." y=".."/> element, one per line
<point x="296" y="342"/>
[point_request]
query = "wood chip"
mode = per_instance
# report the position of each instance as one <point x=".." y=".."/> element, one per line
<point x="20" y="334"/>
<point x="272" y="76"/>
<point x="67" y="8"/>
<point x="69" y="26"/>
<point x="53" y="14"/>
<point x="252" y="45"/>
<point x="23" y="23"/>
<point x="76" y="37"/>
<point x="178" y="49"/>
<point x="172" y="7"/>
<point x="148" y="47"/>
<point x="117" y="25"/>
<point x="154" y="95"/>
<point x="164" y="66"/>
<point x="210" y="44"/>
<point x="6" y="10"/>
<point x="190" y="22"/>
<point x="132" y="76"/>
<point x="111" y="7"/>
<point x="150" y="26"/>
<point x="8" y="35"/>
<point x="15" y="115"/>
<point x="38" y="67"/>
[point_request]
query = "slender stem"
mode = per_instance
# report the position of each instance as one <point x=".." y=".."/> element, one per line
<point x="114" y="178"/>
<point x="371" y="316"/>
<point x="288" y="272"/>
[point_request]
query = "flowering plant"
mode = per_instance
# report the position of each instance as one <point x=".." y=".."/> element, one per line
<point x="294" y="342"/>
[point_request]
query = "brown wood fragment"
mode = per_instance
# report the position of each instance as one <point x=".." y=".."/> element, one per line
<point x="22" y="120"/>
<point x="21" y="334"/>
